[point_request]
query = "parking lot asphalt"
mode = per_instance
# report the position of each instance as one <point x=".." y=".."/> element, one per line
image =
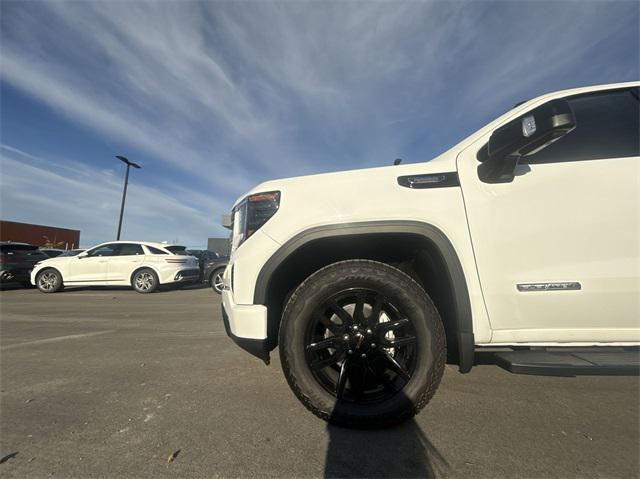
<point x="110" y="383"/>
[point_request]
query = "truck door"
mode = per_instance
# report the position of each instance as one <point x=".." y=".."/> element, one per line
<point x="557" y="249"/>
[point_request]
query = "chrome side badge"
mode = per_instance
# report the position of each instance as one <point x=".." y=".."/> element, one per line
<point x="568" y="286"/>
<point x="528" y="126"/>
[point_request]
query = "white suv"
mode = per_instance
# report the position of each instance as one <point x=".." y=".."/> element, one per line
<point x="141" y="265"/>
<point x="521" y="244"/>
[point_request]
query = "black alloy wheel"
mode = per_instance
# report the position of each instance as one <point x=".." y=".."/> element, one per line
<point x="360" y="347"/>
<point x="362" y="344"/>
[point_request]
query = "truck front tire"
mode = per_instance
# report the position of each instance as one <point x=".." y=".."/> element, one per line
<point x="362" y="344"/>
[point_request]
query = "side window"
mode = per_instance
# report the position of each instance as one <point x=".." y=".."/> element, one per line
<point x="155" y="250"/>
<point x="104" y="250"/>
<point x="127" y="249"/>
<point x="607" y="126"/>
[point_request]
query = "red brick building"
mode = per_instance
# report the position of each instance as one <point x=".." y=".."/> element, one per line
<point x="39" y="235"/>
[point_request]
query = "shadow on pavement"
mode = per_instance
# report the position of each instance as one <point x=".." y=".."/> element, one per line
<point x="402" y="451"/>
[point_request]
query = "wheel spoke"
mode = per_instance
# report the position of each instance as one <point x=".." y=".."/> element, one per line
<point x="396" y="367"/>
<point x="324" y="344"/>
<point x="323" y="363"/>
<point x="374" y="317"/>
<point x="342" y="379"/>
<point x="401" y="341"/>
<point x="327" y="323"/>
<point x="388" y="326"/>
<point x="358" y="309"/>
<point x="341" y="313"/>
<point x="384" y="379"/>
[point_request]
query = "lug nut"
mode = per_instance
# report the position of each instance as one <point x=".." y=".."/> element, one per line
<point x="373" y="345"/>
<point x="369" y="331"/>
<point x="349" y="352"/>
<point x="364" y="355"/>
<point x="345" y="337"/>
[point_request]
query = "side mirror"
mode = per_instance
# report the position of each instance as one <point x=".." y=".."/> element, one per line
<point x="523" y="136"/>
<point x="84" y="254"/>
<point x="226" y="221"/>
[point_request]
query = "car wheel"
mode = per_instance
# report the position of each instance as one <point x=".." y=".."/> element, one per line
<point x="362" y="344"/>
<point x="145" y="281"/>
<point x="49" y="281"/>
<point x="216" y="281"/>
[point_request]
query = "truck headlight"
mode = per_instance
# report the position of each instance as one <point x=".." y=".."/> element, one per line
<point x="251" y="213"/>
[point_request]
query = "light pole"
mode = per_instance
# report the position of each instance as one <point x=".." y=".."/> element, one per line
<point x="124" y="193"/>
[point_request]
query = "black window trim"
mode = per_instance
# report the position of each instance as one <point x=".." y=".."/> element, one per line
<point x="152" y="250"/>
<point x="96" y="248"/>
<point x="633" y="90"/>
<point x="120" y="246"/>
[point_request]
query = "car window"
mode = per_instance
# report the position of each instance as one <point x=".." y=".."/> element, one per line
<point x="128" y="249"/>
<point x="72" y="252"/>
<point x="607" y="126"/>
<point x="104" y="250"/>
<point x="175" y="249"/>
<point x="155" y="250"/>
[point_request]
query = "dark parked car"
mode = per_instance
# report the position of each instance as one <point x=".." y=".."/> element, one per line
<point x="17" y="260"/>
<point x="52" y="252"/>
<point x="212" y="266"/>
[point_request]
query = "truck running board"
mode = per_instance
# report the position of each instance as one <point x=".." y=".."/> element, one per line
<point x="603" y="361"/>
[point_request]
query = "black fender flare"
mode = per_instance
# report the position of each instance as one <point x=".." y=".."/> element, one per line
<point x="462" y="303"/>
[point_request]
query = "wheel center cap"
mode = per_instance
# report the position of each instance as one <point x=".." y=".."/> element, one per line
<point x="359" y="339"/>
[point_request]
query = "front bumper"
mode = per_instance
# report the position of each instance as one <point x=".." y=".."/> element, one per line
<point x="246" y="325"/>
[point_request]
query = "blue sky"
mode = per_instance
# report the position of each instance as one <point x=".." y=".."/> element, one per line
<point x="212" y="98"/>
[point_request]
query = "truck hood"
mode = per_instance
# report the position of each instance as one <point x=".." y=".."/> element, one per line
<point x="326" y="181"/>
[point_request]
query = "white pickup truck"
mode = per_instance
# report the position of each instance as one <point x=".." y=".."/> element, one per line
<point x="520" y="245"/>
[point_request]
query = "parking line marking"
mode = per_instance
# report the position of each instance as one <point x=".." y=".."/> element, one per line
<point x="56" y="339"/>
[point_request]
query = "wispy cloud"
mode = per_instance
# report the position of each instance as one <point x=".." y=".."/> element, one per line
<point x="225" y="94"/>
<point x="75" y="196"/>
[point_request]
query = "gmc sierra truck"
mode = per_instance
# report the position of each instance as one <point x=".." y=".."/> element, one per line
<point x="520" y="244"/>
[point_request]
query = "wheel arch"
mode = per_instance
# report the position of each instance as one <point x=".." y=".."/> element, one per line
<point x="420" y="249"/>
<point x="146" y="266"/>
<point x="42" y="270"/>
<point x="213" y="271"/>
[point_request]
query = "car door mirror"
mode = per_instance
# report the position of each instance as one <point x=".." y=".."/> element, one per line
<point x="523" y="136"/>
<point x="84" y="254"/>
